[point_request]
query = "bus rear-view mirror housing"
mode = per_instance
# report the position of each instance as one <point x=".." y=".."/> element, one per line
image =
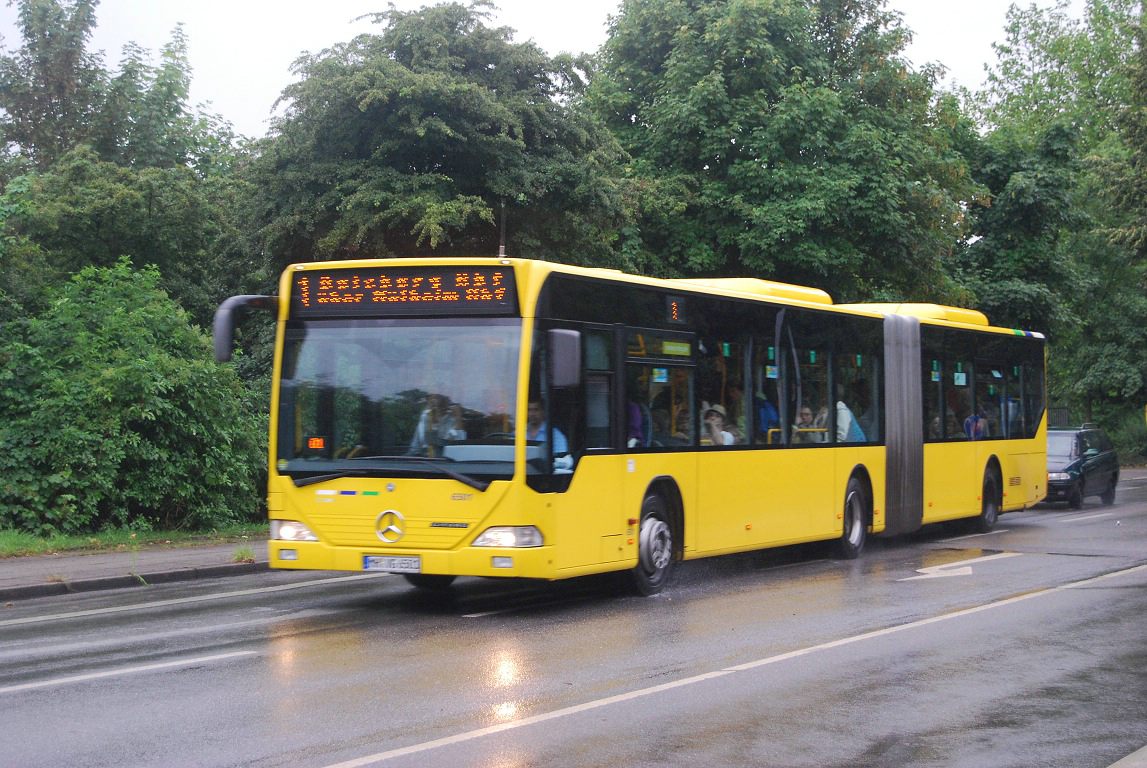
<point x="565" y="357"/>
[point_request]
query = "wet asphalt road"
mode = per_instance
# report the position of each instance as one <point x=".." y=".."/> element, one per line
<point x="1024" y="647"/>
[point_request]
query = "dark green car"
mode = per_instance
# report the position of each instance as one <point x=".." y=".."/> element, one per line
<point x="1081" y="462"/>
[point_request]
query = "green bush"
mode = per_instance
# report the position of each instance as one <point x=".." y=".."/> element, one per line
<point x="113" y="414"/>
<point x="1128" y="431"/>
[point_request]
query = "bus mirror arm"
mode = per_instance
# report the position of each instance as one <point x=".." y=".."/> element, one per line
<point x="565" y="357"/>
<point x="223" y="330"/>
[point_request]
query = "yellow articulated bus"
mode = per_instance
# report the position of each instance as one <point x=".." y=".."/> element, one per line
<point x="512" y="418"/>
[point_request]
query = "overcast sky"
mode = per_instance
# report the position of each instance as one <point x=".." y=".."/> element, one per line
<point x="241" y="50"/>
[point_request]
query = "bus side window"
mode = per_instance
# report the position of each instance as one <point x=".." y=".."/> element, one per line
<point x="958" y="396"/>
<point x="671" y="406"/>
<point x="720" y="382"/>
<point x="597" y="383"/>
<point x="858" y="408"/>
<point x="766" y="398"/>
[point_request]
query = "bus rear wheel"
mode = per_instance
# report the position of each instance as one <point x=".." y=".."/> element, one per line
<point x="851" y="541"/>
<point x="431" y="582"/>
<point x="990" y="506"/>
<point x="654" y="547"/>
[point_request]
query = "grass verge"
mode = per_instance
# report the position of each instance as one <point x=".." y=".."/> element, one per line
<point x="17" y="543"/>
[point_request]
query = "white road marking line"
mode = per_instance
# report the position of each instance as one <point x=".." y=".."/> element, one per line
<point x="123" y="671"/>
<point x="974" y="535"/>
<point x="185" y="600"/>
<point x="1086" y="517"/>
<point x="460" y="738"/>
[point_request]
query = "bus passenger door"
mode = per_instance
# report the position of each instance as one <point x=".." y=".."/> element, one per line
<point x="589" y="525"/>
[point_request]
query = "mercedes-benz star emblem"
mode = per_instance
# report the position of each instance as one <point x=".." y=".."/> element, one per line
<point x="390" y="526"/>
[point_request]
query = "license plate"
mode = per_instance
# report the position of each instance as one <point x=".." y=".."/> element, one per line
<point x="410" y="564"/>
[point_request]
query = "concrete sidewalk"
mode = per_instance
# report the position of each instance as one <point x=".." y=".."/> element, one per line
<point x="43" y="575"/>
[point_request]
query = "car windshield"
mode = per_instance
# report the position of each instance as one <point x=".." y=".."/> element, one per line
<point x="1061" y="445"/>
<point x="398" y="397"/>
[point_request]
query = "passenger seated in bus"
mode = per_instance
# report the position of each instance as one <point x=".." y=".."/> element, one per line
<point x="714" y="432"/>
<point x="438" y="424"/>
<point x="662" y="432"/>
<point x="847" y="427"/>
<point x="975" y="426"/>
<point x="640" y="425"/>
<point x="865" y="408"/>
<point x="805" y="430"/>
<point x="683" y="427"/>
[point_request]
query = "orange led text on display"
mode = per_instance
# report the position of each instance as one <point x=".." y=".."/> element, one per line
<point x="482" y="288"/>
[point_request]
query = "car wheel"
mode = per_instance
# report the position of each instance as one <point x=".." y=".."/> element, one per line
<point x="851" y="541"/>
<point x="654" y="547"/>
<point x="1075" y="500"/>
<point x="1108" y="496"/>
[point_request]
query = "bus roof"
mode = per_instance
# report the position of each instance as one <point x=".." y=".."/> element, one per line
<point x="925" y="312"/>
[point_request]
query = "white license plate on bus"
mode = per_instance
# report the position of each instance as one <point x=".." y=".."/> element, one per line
<point x="409" y="564"/>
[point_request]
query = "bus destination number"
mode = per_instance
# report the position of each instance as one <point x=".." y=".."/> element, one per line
<point x="406" y="290"/>
<point x="410" y="564"/>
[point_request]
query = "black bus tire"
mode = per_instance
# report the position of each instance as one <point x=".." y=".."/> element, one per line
<point x="851" y="541"/>
<point x="654" y="547"/>
<point x="990" y="503"/>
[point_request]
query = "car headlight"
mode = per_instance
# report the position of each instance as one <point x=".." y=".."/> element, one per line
<point x="1058" y="476"/>
<point x="510" y="536"/>
<point x="291" y="530"/>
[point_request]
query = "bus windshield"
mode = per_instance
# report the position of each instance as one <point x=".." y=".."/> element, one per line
<point x="390" y="397"/>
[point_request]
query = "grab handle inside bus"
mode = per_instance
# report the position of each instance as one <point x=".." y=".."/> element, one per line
<point x="565" y="357"/>
<point x="223" y="329"/>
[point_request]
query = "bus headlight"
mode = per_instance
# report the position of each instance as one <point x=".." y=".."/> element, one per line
<point x="510" y="536"/>
<point x="291" y="530"/>
<point x="1058" y="476"/>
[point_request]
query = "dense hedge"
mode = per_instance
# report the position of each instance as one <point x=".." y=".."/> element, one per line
<point x="113" y="414"/>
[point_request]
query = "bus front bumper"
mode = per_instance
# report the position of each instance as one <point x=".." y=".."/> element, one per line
<point x="503" y="562"/>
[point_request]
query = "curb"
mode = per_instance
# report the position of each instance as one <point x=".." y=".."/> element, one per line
<point x="67" y="586"/>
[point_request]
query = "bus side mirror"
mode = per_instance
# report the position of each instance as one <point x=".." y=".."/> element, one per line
<point x="565" y="357"/>
<point x="223" y="329"/>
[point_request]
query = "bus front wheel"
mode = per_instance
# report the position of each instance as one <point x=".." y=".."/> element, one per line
<point x="851" y="541"/>
<point x="654" y="547"/>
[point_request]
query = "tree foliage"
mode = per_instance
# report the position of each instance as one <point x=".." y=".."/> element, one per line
<point x="1063" y="102"/>
<point x="83" y="211"/>
<point x="410" y="141"/>
<point x="1015" y="267"/>
<point x="1054" y="67"/>
<point x="56" y="95"/>
<point x="786" y="139"/>
<point x="113" y="414"/>
<point x="50" y="89"/>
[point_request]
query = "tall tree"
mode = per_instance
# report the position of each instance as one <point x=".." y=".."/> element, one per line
<point x="52" y="86"/>
<point x="410" y="141"/>
<point x="56" y="95"/>
<point x="1058" y="75"/>
<point x="788" y="139"/>
<point x="1054" y="66"/>
<point x="1127" y="171"/>
<point x="1015" y="266"/>
<point x="84" y="211"/>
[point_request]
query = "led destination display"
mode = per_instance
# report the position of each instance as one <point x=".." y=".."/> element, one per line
<point x="404" y="291"/>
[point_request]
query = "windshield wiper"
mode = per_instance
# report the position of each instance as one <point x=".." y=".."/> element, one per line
<point x="473" y="482"/>
<point x="299" y="483"/>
